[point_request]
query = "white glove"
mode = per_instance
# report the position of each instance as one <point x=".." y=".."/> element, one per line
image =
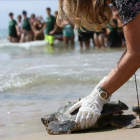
<point x="90" y="108"/>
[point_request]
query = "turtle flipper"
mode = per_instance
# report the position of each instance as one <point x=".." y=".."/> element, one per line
<point x="61" y="127"/>
<point x="123" y="121"/>
<point x="48" y="118"/>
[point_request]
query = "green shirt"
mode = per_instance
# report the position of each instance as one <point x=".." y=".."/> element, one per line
<point x="12" y="28"/>
<point x="113" y="29"/>
<point x="26" y="25"/>
<point x="50" y="21"/>
<point x="79" y="30"/>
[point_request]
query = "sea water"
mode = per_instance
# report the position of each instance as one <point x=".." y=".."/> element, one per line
<point x="36" y="79"/>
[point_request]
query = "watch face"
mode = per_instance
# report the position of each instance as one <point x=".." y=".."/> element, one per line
<point x="104" y="95"/>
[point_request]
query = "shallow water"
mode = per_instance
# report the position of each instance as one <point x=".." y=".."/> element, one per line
<point x="36" y="79"/>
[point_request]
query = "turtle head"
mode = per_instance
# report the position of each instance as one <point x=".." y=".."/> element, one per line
<point x="48" y="118"/>
<point x="44" y="121"/>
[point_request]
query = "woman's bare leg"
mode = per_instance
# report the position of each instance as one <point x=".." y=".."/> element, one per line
<point x="81" y="44"/>
<point x="72" y="40"/>
<point x="66" y="40"/>
<point x="87" y="44"/>
<point x="14" y="40"/>
<point x="28" y="38"/>
<point x="130" y="61"/>
<point x="101" y="38"/>
<point x="22" y="38"/>
<point x="97" y="44"/>
<point x="10" y="39"/>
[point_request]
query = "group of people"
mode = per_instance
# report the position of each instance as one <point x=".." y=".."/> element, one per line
<point x="35" y="28"/>
<point x="112" y="36"/>
<point x="26" y="30"/>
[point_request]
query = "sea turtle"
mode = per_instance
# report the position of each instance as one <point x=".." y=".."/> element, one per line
<point x="61" y="122"/>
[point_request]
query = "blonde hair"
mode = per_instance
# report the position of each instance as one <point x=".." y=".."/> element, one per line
<point x="90" y="14"/>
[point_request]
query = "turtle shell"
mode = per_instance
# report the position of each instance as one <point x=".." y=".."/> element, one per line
<point x="63" y="122"/>
<point x="115" y="107"/>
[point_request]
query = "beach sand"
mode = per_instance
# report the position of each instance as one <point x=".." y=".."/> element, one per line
<point x="104" y="134"/>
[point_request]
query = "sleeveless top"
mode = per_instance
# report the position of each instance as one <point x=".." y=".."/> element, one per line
<point x="128" y="9"/>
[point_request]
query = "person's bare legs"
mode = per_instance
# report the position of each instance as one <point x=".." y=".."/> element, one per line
<point x="9" y="38"/>
<point x="93" y="39"/>
<point x="12" y="39"/>
<point x="97" y="44"/>
<point x="130" y="61"/>
<point x="22" y="38"/>
<point x="87" y="44"/>
<point x="66" y="40"/>
<point x="28" y="38"/>
<point x="81" y="44"/>
<point x="15" y="40"/>
<point x="72" y="40"/>
<point x="101" y="38"/>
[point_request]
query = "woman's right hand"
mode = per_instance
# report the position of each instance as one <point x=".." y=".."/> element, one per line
<point x="90" y="108"/>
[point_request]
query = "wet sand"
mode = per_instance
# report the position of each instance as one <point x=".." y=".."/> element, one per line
<point x="106" y="134"/>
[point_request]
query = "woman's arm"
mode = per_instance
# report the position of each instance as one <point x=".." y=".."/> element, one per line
<point x="33" y="27"/>
<point x="17" y="29"/>
<point x="55" y="28"/>
<point x="130" y="62"/>
<point x="44" y="26"/>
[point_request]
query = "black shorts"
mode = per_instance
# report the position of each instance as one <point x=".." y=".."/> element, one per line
<point x="85" y="36"/>
<point x="128" y="9"/>
<point x="13" y="35"/>
<point x="101" y="32"/>
<point x="91" y="35"/>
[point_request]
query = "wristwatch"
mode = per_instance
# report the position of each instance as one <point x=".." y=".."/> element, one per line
<point x="103" y="93"/>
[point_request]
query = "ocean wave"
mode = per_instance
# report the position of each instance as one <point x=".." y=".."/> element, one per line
<point x="46" y="75"/>
<point x="26" y="45"/>
<point x="50" y="74"/>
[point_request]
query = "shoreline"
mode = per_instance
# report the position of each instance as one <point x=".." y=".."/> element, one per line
<point x="103" y="134"/>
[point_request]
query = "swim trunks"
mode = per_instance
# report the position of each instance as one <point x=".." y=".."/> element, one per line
<point x="49" y="38"/>
<point x="128" y="9"/>
<point x="101" y="32"/>
<point x="83" y="35"/>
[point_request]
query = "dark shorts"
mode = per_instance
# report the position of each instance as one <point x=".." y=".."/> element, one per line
<point x="101" y="32"/>
<point x="13" y="35"/>
<point x="98" y="33"/>
<point x="85" y="36"/>
<point x="91" y="35"/>
<point x="128" y="9"/>
<point x="121" y="34"/>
